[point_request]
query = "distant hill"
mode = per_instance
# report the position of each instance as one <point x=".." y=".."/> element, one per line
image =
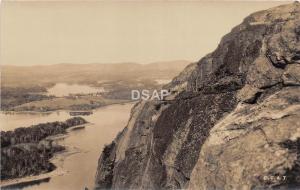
<point x="16" y="76"/>
<point x="24" y="88"/>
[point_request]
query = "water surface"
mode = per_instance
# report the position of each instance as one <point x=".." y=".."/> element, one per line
<point x="80" y="168"/>
<point x="63" y="89"/>
<point x="12" y="120"/>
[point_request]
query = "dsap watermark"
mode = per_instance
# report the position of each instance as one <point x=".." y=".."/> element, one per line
<point x="149" y="94"/>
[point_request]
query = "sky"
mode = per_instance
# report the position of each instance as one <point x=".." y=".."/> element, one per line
<point x="53" y="32"/>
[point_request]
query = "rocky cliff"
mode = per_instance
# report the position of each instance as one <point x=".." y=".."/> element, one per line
<point x="231" y="122"/>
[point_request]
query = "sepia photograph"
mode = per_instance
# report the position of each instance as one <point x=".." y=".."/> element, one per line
<point x="150" y="94"/>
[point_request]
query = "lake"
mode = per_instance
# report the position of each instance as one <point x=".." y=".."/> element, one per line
<point x="63" y="89"/>
<point x="79" y="168"/>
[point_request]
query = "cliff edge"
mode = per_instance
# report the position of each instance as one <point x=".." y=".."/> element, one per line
<point x="231" y="121"/>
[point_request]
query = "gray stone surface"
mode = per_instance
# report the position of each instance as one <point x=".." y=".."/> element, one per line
<point x="231" y="120"/>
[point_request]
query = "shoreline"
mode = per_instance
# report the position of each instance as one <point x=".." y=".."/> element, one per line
<point x="66" y="110"/>
<point x="57" y="160"/>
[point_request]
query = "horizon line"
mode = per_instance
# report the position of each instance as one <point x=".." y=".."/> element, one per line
<point x="100" y="63"/>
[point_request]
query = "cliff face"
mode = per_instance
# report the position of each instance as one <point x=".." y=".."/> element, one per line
<point x="230" y="122"/>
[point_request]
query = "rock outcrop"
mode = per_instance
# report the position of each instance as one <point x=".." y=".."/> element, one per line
<point x="231" y="121"/>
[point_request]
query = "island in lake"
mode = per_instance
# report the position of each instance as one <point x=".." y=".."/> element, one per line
<point x="27" y="150"/>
